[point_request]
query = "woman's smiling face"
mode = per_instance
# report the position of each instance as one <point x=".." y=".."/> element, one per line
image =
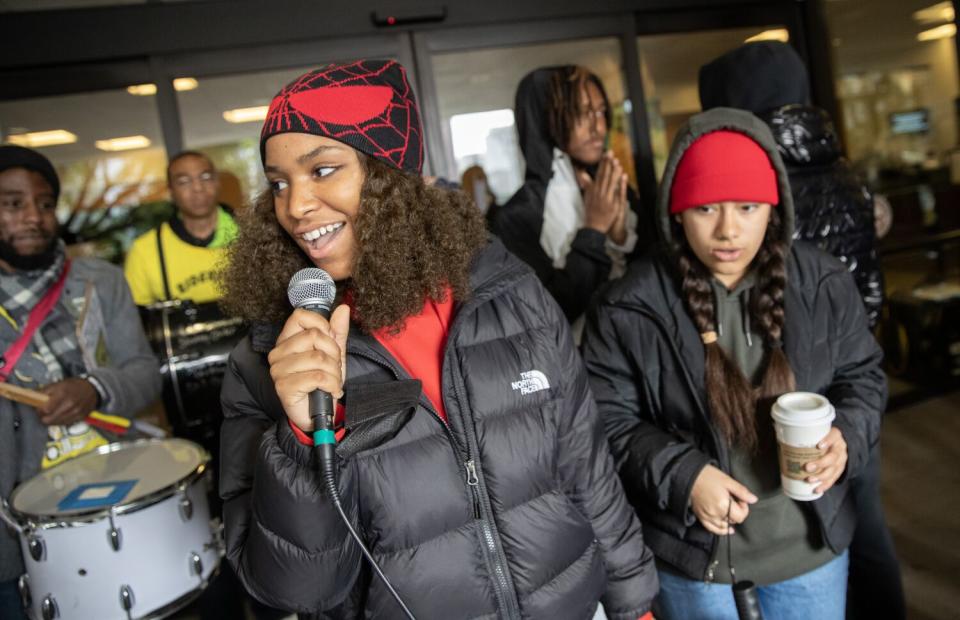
<point x="316" y="184"/>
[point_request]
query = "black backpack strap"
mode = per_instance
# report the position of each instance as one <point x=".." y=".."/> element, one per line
<point x="163" y="266"/>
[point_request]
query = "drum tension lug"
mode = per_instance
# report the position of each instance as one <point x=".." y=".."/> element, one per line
<point x="23" y="585"/>
<point x="113" y="535"/>
<point x="127" y="600"/>
<point x="49" y="609"/>
<point x="196" y="564"/>
<point x="186" y="506"/>
<point x="37" y="549"/>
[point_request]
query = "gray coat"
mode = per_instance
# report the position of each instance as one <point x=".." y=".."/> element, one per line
<point x="132" y="381"/>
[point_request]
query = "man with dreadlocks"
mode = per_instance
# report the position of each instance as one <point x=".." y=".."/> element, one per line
<point x="688" y="351"/>
<point x="68" y="329"/>
<point x="574" y="220"/>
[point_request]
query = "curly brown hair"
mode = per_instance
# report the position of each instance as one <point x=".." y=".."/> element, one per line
<point x="734" y="403"/>
<point x="413" y="241"/>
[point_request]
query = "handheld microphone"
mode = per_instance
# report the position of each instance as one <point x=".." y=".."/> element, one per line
<point x="313" y="289"/>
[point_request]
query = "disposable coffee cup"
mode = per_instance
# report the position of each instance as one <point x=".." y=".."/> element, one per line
<point x="801" y="420"/>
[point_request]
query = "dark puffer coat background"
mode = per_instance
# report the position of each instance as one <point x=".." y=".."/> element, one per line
<point x="833" y="208"/>
<point x="512" y="510"/>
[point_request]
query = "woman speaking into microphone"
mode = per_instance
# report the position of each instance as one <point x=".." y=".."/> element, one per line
<point x="469" y="454"/>
<point x="686" y="354"/>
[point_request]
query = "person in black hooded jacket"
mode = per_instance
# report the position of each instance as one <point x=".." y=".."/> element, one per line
<point x="471" y="459"/>
<point x="574" y="220"/>
<point x="687" y="351"/>
<point x="834" y="210"/>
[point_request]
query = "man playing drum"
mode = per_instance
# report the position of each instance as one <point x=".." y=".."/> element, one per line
<point x="68" y="329"/>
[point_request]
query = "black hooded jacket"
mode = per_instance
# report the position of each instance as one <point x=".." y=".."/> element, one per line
<point x="518" y="223"/>
<point x="646" y="365"/>
<point x="834" y="209"/>
<point x="510" y="509"/>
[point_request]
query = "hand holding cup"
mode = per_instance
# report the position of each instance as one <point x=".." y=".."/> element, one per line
<point x="828" y="469"/>
<point x="813" y="454"/>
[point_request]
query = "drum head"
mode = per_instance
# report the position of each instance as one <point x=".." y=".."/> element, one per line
<point x="119" y="474"/>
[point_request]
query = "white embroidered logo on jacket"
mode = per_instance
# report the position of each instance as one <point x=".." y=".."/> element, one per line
<point x="530" y="382"/>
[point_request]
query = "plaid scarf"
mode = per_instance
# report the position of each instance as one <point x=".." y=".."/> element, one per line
<point x="20" y="292"/>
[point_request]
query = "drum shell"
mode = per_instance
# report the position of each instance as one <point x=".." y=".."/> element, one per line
<point x="82" y="572"/>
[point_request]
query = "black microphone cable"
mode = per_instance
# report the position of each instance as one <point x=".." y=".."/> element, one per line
<point x="744" y="592"/>
<point x="324" y="441"/>
<point x="313" y="289"/>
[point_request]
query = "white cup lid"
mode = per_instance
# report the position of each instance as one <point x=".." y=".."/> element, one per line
<point x="802" y="409"/>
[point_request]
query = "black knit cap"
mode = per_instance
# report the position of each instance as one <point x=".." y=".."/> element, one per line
<point x="368" y="105"/>
<point x="12" y="156"/>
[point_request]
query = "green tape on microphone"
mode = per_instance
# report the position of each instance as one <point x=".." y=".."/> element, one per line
<point x="325" y="436"/>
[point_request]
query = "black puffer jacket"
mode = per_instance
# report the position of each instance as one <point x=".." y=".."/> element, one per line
<point x="511" y="510"/>
<point x="646" y="365"/>
<point x="519" y="222"/>
<point x="834" y="209"/>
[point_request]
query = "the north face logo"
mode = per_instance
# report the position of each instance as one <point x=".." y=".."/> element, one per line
<point x="530" y="382"/>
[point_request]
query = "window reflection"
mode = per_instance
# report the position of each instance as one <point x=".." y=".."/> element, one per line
<point x="108" y="150"/>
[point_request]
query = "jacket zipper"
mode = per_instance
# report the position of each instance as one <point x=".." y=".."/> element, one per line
<point x="483" y="511"/>
<point x="710" y="572"/>
<point x="503" y="584"/>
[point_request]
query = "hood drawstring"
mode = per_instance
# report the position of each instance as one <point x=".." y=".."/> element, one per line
<point x="745" y="313"/>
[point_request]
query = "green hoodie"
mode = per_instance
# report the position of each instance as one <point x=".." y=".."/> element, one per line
<point x="780" y="538"/>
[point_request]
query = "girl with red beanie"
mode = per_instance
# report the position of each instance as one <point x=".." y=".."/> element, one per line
<point x="470" y="455"/>
<point x="687" y="353"/>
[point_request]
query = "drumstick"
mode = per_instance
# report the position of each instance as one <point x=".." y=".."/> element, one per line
<point x="115" y="424"/>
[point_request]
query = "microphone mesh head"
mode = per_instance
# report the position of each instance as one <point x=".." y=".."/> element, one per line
<point x="311" y="287"/>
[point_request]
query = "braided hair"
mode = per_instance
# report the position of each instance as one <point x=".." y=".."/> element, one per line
<point x="732" y="399"/>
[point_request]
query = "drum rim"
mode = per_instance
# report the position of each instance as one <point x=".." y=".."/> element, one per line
<point x="34" y="521"/>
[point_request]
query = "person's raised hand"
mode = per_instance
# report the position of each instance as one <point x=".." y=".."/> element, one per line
<point x="618" y="232"/>
<point x="600" y="195"/>
<point x="311" y="354"/>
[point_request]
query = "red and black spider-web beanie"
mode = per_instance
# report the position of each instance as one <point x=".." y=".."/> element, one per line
<point x="368" y="105"/>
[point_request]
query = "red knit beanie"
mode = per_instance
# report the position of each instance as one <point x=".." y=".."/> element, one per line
<point x="367" y="104"/>
<point x="723" y="166"/>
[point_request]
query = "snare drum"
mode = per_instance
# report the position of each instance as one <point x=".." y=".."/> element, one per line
<point x="193" y="341"/>
<point x="122" y="532"/>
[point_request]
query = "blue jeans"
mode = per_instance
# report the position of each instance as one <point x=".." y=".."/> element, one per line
<point x="820" y="594"/>
<point x="10" y="607"/>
